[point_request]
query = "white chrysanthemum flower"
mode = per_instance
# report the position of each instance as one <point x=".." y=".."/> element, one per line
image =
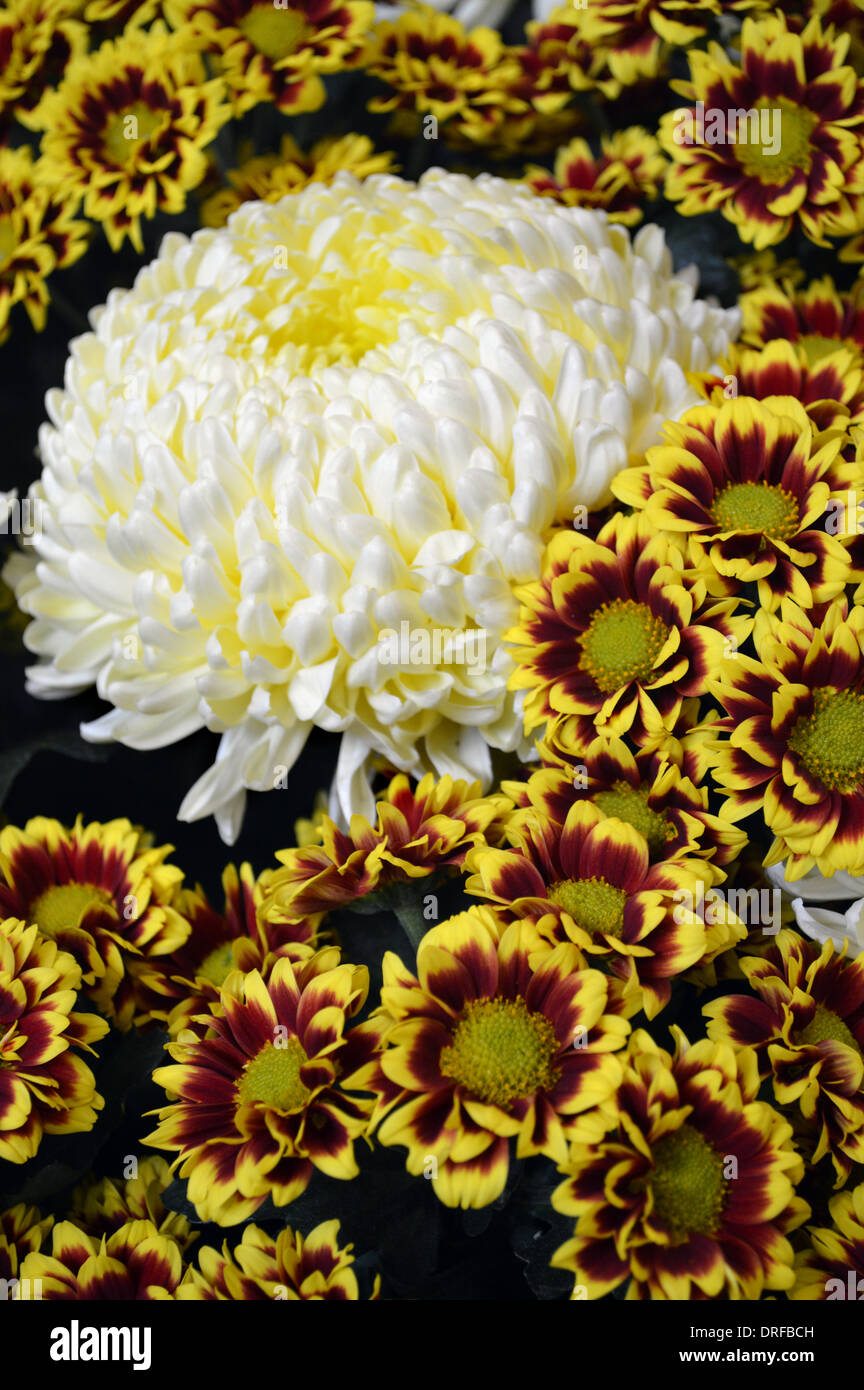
<point x="354" y="413"/>
<point x="821" y="923"/>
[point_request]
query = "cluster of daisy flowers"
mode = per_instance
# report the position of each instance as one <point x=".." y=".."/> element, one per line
<point x="519" y="1029"/>
<point x="616" y="850"/>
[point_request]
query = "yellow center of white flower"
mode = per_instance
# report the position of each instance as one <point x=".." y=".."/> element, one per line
<point x="830" y="740"/>
<point x="794" y="125"/>
<point x="687" y="1183"/>
<point x="594" y="904"/>
<point x="217" y="964"/>
<point x="630" y="804"/>
<point x="826" y="1026"/>
<point x="275" y="33"/>
<point x="501" y="1052"/>
<point x="621" y="644"/>
<point x="339" y="318"/>
<point x="764" y="507"/>
<point x="273" y="1077"/>
<point x="126" y="131"/>
<point x="65" y="904"/>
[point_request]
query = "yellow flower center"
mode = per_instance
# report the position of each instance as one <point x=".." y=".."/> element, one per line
<point x="764" y="156"/>
<point x="594" y="904"/>
<point x="275" y="33"/>
<point x="826" y="1026"/>
<point x="687" y="1183"/>
<point x="501" y="1052"/>
<point x="621" y="644"/>
<point x="630" y="804"/>
<point x="126" y="131"/>
<point x="65" y="904"/>
<point x="273" y="1077"/>
<point x="215" y="966"/>
<point x="761" y="507"/>
<point x="830" y="740"/>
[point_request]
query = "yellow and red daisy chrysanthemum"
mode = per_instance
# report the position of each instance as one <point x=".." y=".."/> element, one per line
<point x="643" y="789"/>
<point x="759" y="268"/>
<point x="434" y="66"/>
<point x="681" y="742"/>
<point x="618" y="633"/>
<point x="136" y="1262"/>
<point x="262" y="1100"/>
<point x="275" y="53"/>
<point x="104" y="894"/>
<point x="628" y="48"/>
<point x="683" y="1182"/>
<point x="591" y="882"/>
<point x="419" y="830"/>
<point x="846" y="17"/>
<point x="791" y="743"/>
<point x="497" y="1036"/>
<point x="44" y="1087"/>
<point x="748" y="483"/>
<point x="38" y="235"/>
<point x="819" y="318"/>
<point x="624" y="176"/>
<point x="288" y="1266"/>
<point x="22" y="1229"/>
<point x="832" y="1267"/>
<point x="128" y="126"/>
<point x="557" y="61"/>
<point x="807" y="1025"/>
<point x="830" y="387"/>
<point x="100" y="1206"/>
<point x="187" y="981"/>
<point x="809" y="180"/>
<point x="269" y="177"/>
<point x="638" y="33"/>
<point x="38" y="40"/>
<point x="561" y="57"/>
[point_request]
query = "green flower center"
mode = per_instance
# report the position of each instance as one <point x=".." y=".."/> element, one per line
<point x="816" y="347"/>
<point x="65" y="904"/>
<point x="501" y="1051"/>
<point x="594" y="904"/>
<point x="215" y="966"/>
<point x="621" y="644"/>
<point x="275" y="33"/>
<point x="830" y="740"/>
<point x="687" y="1183"/>
<point x="826" y="1026"/>
<point x="126" y="131"/>
<point x="630" y="804"/>
<point x="781" y="144"/>
<point x="273" y="1077"/>
<point x="756" y="507"/>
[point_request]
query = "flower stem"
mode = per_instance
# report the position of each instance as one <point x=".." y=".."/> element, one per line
<point x="412" y="922"/>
